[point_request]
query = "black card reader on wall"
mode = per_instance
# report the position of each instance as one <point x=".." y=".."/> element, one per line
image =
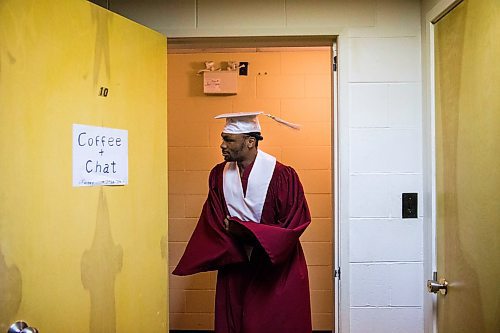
<point x="410" y="204"/>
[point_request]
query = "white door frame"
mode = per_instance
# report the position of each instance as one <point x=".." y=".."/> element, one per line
<point x="340" y="243"/>
<point x="429" y="156"/>
<point x="341" y="188"/>
<point x="335" y="191"/>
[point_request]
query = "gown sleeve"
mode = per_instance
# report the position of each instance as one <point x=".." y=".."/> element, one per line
<point x="280" y="228"/>
<point x="210" y="247"/>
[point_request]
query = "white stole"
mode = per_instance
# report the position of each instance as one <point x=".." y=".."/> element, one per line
<point x="248" y="207"/>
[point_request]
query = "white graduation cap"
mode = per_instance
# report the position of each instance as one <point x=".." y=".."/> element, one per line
<point x="247" y="122"/>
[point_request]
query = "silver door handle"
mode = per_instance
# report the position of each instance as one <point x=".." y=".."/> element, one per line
<point x="440" y="286"/>
<point x="21" y="327"/>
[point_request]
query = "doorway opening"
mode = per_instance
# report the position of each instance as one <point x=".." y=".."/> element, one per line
<point x="288" y="77"/>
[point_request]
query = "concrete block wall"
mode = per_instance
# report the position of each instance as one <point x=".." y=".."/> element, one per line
<point x="294" y="85"/>
<point x="384" y="160"/>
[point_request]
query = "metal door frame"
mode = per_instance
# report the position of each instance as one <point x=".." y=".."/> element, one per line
<point x="340" y="297"/>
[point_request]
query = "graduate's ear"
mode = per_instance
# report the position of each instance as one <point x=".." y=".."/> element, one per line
<point x="251" y="142"/>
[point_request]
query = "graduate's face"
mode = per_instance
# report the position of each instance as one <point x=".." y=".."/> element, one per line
<point x="236" y="147"/>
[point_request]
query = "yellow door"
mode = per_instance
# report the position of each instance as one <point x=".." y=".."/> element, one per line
<point x="467" y="45"/>
<point x="80" y="259"/>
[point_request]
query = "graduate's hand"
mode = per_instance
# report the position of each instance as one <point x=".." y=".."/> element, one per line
<point x="231" y="226"/>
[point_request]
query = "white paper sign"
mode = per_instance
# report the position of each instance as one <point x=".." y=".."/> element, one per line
<point x="100" y="156"/>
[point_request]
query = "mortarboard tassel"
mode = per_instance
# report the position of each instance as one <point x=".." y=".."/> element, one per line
<point x="284" y="122"/>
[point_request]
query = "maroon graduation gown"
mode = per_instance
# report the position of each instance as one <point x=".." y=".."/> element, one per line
<point x="270" y="292"/>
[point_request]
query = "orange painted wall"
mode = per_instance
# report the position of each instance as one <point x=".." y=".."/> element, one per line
<point x="294" y="85"/>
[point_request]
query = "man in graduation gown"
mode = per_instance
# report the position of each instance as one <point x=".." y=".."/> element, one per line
<point x="249" y="232"/>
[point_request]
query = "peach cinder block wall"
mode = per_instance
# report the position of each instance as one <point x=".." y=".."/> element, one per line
<point x="293" y="84"/>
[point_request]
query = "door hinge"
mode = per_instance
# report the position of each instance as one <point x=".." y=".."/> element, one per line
<point x="336" y="273"/>
<point x="335" y="63"/>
